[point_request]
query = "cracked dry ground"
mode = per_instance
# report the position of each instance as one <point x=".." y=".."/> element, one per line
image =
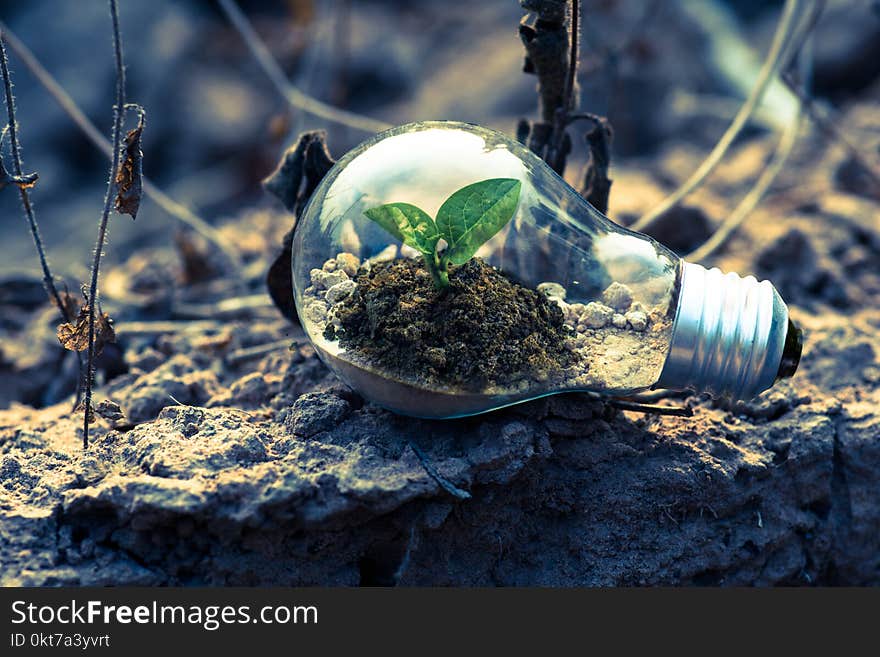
<point x="283" y="476"/>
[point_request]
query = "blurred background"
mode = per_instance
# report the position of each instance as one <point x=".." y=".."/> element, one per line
<point x="668" y="75"/>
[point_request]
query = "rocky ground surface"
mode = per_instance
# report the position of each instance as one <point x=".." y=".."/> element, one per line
<point x="235" y="464"/>
<point x="225" y="457"/>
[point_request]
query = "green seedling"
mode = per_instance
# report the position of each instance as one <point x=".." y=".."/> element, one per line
<point x="465" y="221"/>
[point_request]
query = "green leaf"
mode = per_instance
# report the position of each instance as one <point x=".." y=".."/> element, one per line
<point x="409" y="224"/>
<point x="475" y="213"/>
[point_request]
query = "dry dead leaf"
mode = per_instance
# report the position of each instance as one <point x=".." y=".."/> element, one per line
<point x="129" y="184"/>
<point x="75" y="336"/>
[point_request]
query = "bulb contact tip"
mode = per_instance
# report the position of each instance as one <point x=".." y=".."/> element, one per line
<point x="791" y="351"/>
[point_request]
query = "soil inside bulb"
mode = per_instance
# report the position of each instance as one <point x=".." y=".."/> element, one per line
<point x="485" y="334"/>
<point x="484" y="331"/>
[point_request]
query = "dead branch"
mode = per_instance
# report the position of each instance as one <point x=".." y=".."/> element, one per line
<point x="753" y="197"/>
<point x="295" y="97"/>
<point x="545" y="35"/>
<point x="249" y="353"/>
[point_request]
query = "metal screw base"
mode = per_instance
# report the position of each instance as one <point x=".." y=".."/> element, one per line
<point x="730" y="335"/>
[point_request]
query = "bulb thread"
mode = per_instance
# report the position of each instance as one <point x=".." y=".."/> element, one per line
<point x="728" y="335"/>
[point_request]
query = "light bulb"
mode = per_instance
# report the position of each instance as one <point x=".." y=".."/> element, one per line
<point x="556" y="297"/>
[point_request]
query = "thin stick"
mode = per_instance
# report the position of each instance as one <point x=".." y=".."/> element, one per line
<point x="249" y="353"/>
<point x="573" y="56"/>
<point x="168" y="204"/>
<point x="118" y="114"/>
<point x="290" y="93"/>
<point x="677" y="411"/>
<point x="170" y="326"/>
<point x="772" y="64"/>
<point x="48" y="280"/>
<point x="442" y="481"/>
<point x="754" y="196"/>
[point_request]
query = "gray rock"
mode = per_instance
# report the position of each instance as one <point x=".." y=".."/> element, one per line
<point x="552" y="290"/>
<point x="348" y="262"/>
<point x="638" y="320"/>
<point x="315" y="412"/>
<point x="596" y="315"/>
<point x="617" y="296"/>
<point x="340" y="291"/>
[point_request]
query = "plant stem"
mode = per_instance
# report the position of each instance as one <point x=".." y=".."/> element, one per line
<point x="438" y="268"/>
<point x="17" y="168"/>
<point x="118" y="113"/>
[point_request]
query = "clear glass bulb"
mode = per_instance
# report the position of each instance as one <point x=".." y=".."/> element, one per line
<point x="559" y="299"/>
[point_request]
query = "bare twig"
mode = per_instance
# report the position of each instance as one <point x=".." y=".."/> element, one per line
<point x="626" y="405"/>
<point x="159" y="327"/>
<point x="24" y="193"/>
<point x="786" y="144"/>
<point x="774" y="61"/>
<point x="228" y="307"/>
<point x="249" y="353"/>
<point x="92" y="301"/>
<point x="168" y="204"/>
<point x="48" y="280"/>
<point x="442" y="481"/>
<point x="290" y="93"/>
<point x="754" y="196"/>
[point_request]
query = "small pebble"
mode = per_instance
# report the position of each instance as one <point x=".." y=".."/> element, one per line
<point x="617" y="296"/>
<point x="317" y="278"/>
<point x="316" y="311"/>
<point x="618" y="321"/>
<point x="613" y="356"/>
<point x="552" y="290"/>
<point x="333" y="278"/>
<point x="340" y="291"/>
<point x="596" y="315"/>
<point x="348" y="262"/>
<point x="637" y="319"/>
